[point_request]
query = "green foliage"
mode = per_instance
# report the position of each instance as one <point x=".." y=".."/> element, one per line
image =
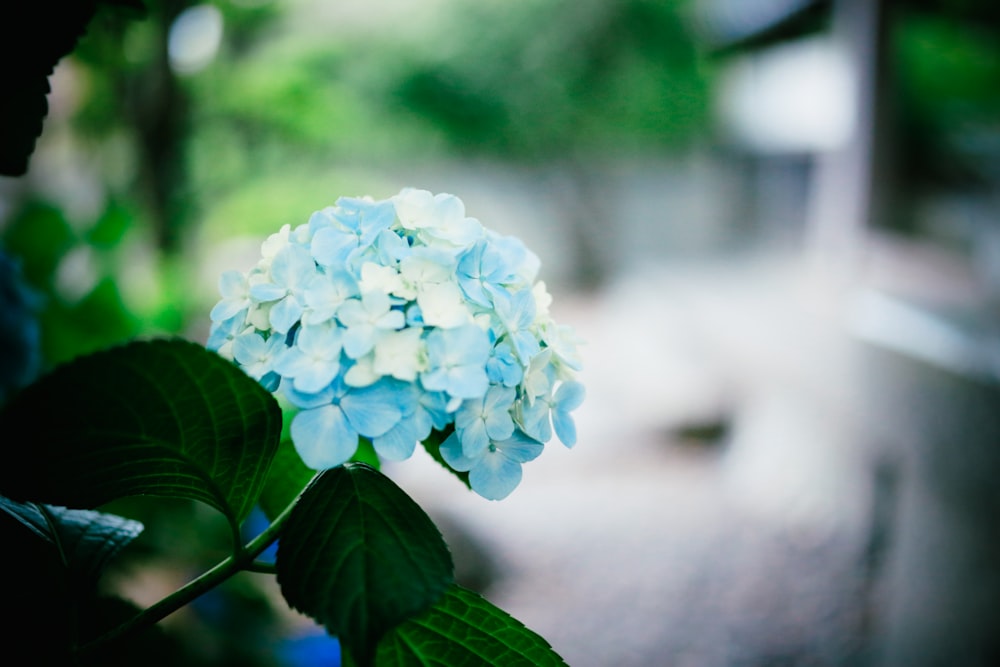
<point x="359" y="556"/>
<point x="77" y="270"/>
<point x="946" y="75"/>
<point x="159" y="417"/>
<point x="463" y="628"/>
<point x="599" y="77"/>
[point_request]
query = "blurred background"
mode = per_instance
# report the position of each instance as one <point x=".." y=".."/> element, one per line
<point x="775" y="224"/>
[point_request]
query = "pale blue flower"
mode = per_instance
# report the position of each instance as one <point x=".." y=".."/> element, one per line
<point x="400" y="354"/>
<point x="432" y="412"/>
<point x="563" y="342"/>
<point x="332" y="246"/>
<point x="398" y="443"/>
<point x="439" y="217"/>
<point x="366" y="319"/>
<point x="523" y="263"/>
<point x="235" y="291"/>
<point x="480" y="421"/>
<point x="482" y="270"/>
<point x="503" y="367"/>
<point x="257" y="355"/>
<point x="390" y="320"/>
<point x="326" y="431"/>
<point x="325" y="293"/>
<point x="543" y="412"/>
<point x="313" y="361"/>
<point x="390" y="249"/>
<point x="221" y="334"/>
<point x="291" y="270"/>
<point x="516" y="313"/>
<point x="568" y="397"/>
<point x="456" y="361"/>
<point x="275" y="243"/>
<point x="496" y="472"/>
<point x="360" y="222"/>
<point x="442" y="305"/>
<point x="384" y="279"/>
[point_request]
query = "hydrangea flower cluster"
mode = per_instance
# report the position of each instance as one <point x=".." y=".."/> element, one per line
<point x="391" y="319"/>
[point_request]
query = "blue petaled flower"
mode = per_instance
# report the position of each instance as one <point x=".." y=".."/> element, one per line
<point x="391" y="320"/>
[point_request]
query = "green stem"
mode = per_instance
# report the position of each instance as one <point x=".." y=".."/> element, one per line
<point x="242" y="560"/>
<point x="261" y="567"/>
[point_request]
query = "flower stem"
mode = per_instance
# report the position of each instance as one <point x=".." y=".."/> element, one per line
<point x="243" y="559"/>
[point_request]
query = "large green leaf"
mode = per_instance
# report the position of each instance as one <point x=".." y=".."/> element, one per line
<point x="359" y="556"/>
<point x="84" y="540"/>
<point x="160" y="417"/>
<point x="463" y="628"/>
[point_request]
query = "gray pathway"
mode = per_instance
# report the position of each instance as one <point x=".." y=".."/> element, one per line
<point x="813" y="529"/>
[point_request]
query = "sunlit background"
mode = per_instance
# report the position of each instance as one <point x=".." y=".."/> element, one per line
<point x="775" y="224"/>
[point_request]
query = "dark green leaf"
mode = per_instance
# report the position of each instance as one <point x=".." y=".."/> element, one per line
<point x="465" y="629"/>
<point x="161" y="417"/>
<point x="359" y="556"/>
<point x="85" y="540"/>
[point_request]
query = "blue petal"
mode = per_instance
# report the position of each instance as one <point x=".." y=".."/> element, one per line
<point x="309" y="400"/>
<point x="323" y="437"/>
<point x="226" y="309"/>
<point x="467" y="381"/>
<point x="473" y="436"/>
<point x="535" y="419"/>
<point x="451" y="452"/>
<point x="398" y="443"/>
<point x="331" y="246"/>
<point x="565" y="427"/>
<point x="372" y="410"/>
<point x="267" y="292"/>
<point x="285" y="314"/>
<point x="521" y="448"/>
<point x="494" y="476"/>
<point x="570" y="395"/>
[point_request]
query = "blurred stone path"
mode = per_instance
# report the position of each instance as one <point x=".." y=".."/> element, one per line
<point x="785" y="537"/>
